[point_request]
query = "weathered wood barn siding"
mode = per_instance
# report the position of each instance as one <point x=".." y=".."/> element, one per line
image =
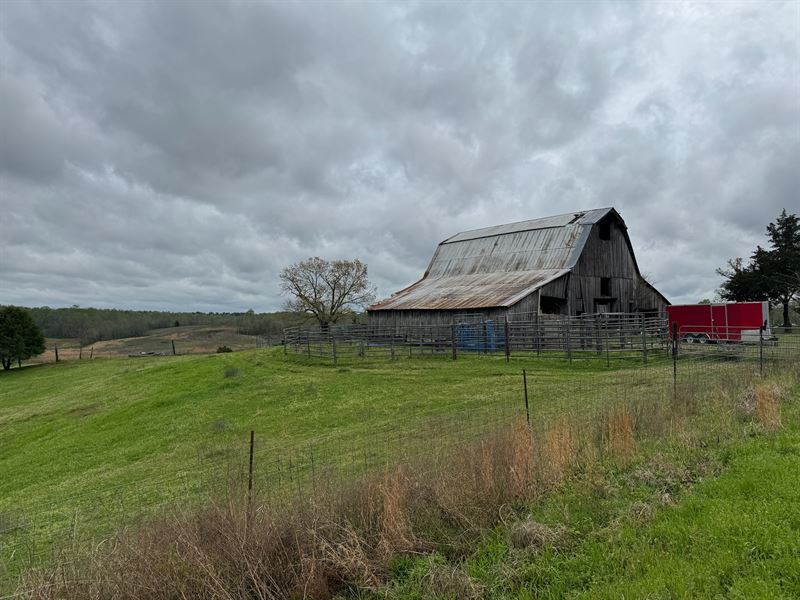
<point x="567" y="264"/>
<point x="613" y="259"/>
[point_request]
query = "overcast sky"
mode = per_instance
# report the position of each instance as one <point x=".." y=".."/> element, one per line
<point x="175" y="155"/>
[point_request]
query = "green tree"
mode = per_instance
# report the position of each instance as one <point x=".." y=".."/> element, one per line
<point x="20" y="337"/>
<point x="773" y="273"/>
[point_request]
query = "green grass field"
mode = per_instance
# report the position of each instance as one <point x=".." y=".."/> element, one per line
<point x="81" y="425"/>
<point x="86" y="442"/>
<point x="86" y="445"/>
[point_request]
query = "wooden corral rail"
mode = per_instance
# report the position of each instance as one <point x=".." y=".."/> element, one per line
<point x="584" y="336"/>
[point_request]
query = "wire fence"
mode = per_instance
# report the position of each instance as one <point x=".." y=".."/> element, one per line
<point x="211" y="343"/>
<point x="544" y="395"/>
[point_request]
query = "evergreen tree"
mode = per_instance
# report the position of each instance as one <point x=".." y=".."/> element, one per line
<point x="773" y="273"/>
<point x="20" y="337"/>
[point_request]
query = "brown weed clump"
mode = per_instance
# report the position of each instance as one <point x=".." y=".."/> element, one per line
<point x="618" y="435"/>
<point x="533" y="535"/>
<point x="762" y="403"/>
<point x="559" y="450"/>
<point x="445" y="581"/>
<point x="768" y="406"/>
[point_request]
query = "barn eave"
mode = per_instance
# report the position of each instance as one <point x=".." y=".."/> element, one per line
<point x="466" y="292"/>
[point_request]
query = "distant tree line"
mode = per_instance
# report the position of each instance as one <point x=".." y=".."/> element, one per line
<point x="94" y="324"/>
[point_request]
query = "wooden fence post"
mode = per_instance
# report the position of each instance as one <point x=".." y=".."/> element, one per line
<point x="525" y="386"/>
<point x="453" y="341"/>
<point x="644" y="340"/>
<point x="598" y="339"/>
<point x="538" y="336"/>
<point x="56" y="349"/>
<point x="173" y="347"/>
<point x="568" y="333"/>
<point x="505" y="332"/>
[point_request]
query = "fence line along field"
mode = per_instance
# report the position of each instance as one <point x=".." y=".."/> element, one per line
<point x="92" y="445"/>
<point x="186" y="339"/>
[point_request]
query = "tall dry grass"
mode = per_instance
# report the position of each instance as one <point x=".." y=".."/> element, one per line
<point x="344" y="535"/>
<point x="340" y="537"/>
<point x="761" y="404"/>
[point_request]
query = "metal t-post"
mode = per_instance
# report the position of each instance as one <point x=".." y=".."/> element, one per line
<point x="674" y="360"/>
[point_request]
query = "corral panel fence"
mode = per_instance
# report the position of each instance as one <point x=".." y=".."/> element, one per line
<point x="584" y="336"/>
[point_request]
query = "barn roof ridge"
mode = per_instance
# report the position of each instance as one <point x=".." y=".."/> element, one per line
<point x="584" y="217"/>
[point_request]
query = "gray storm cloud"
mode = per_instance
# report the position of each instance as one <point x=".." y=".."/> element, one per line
<point x="177" y="155"/>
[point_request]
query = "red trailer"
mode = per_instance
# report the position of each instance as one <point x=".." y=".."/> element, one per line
<point x="733" y="322"/>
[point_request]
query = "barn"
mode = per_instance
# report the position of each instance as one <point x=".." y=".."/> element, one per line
<point x="571" y="264"/>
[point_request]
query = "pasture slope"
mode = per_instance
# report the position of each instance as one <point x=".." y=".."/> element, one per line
<point x="78" y="428"/>
<point x="188" y="339"/>
<point x="697" y="516"/>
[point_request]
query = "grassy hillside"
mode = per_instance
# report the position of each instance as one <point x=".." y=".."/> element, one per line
<point x="85" y="441"/>
<point x="80" y="426"/>
<point x="188" y="339"/>
<point x="87" y="445"/>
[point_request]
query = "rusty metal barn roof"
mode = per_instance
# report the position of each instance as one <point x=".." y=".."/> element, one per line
<point x="498" y="266"/>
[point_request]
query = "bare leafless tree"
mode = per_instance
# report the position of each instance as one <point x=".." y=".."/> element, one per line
<point x="326" y="289"/>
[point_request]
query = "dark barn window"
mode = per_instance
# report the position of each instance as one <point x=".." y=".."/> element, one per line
<point x="552" y="306"/>
<point x="605" y="230"/>
<point x="605" y="286"/>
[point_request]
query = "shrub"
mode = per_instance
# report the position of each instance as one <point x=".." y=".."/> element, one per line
<point x="223" y="349"/>
<point x="533" y="535"/>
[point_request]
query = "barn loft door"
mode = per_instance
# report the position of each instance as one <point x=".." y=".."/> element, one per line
<point x="603" y="305"/>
